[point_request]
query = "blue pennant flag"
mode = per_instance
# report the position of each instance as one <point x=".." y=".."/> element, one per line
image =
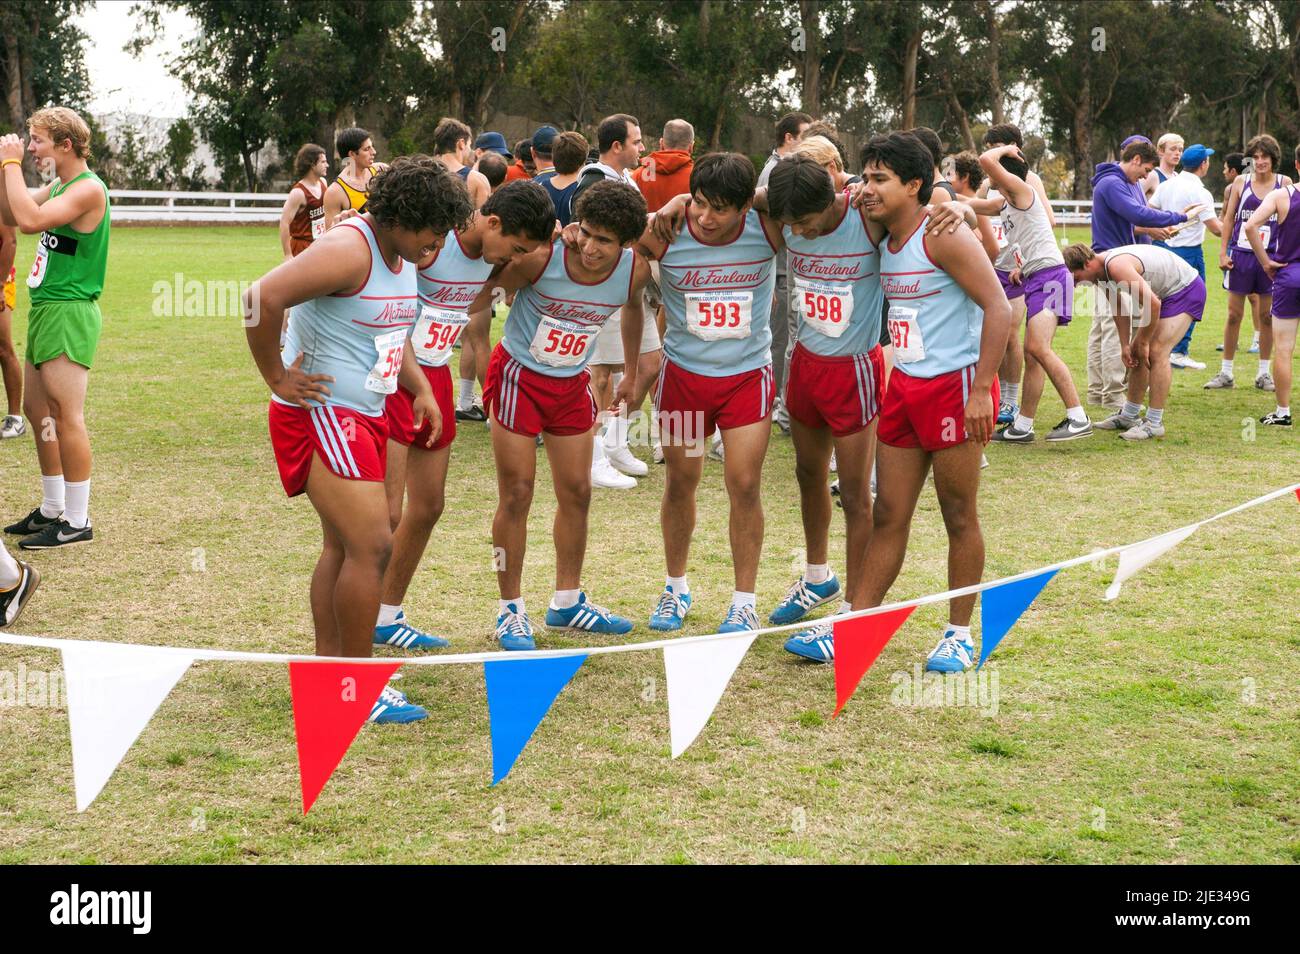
<point x="520" y="693"/>
<point x="1001" y="606"/>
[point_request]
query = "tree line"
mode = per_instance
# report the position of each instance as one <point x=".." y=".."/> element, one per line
<point x="262" y="72"/>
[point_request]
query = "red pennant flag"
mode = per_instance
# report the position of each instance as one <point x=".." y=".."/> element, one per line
<point x="857" y="644"/>
<point x="330" y="704"/>
<point x="1297" y="493"/>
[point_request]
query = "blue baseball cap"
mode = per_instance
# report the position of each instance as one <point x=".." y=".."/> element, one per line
<point x="493" y="142"/>
<point x="1194" y="155"/>
<point x="543" y="138"/>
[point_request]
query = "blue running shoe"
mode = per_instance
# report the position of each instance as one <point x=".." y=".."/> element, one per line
<point x="739" y="619"/>
<point x="816" y="643"/>
<point x="514" y="632"/>
<point x="586" y="617"/>
<point x="670" y="612"/>
<point x="392" y="706"/>
<point x="803" y="596"/>
<point x="401" y="636"/>
<point x="953" y="654"/>
<point x="1007" y="412"/>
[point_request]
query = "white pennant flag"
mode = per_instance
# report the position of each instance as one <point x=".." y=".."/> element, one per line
<point x="1133" y="559"/>
<point x="113" y="692"/>
<point x="698" y="674"/>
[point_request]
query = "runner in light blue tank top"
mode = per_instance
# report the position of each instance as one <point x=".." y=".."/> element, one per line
<point x="935" y="326"/>
<point x="718" y="300"/>
<point x="553" y="322"/>
<point x="836" y="279"/>
<point x="446" y="288"/>
<point x="357" y="339"/>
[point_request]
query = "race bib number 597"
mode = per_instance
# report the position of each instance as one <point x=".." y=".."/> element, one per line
<point x="905" y="334"/>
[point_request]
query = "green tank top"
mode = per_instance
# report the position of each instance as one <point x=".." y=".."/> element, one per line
<point x="70" y="265"/>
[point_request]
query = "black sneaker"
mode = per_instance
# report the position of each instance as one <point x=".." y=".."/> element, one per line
<point x="1011" y="435"/>
<point x="34" y="522"/>
<point x="475" y="413"/>
<point x="1069" y="430"/>
<point x="58" y="534"/>
<point x="13" y="601"/>
<point x="1272" y="417"/>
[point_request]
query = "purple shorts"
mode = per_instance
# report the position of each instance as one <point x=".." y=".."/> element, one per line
<point x="1246" y="277"/>
<point x="1286" y="292"/>
<point x="1013" y="291"/>
<point x="1189" y="301"/>
<point x="1050" y="289"/>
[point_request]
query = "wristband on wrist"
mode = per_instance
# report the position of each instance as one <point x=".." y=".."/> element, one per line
<point x="6" y="162"/>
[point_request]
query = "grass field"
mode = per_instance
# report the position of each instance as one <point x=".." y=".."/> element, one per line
<point x="1162" y="727"/>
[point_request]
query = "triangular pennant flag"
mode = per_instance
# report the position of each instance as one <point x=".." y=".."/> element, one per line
<point x="520" y="692"/>
<point x="698" y="674"/>
<point x="1001" y="606"/>
<point x="857" y="643"/>
<point x="331" y="702"/>
<point x="113" y="692"/>
<point x="1297" y="493"/>
<point x="1133" y="559"/>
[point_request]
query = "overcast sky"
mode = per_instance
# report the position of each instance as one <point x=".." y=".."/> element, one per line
<point x="118" y="81"/>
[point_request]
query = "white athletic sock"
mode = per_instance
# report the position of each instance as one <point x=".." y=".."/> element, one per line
<point x="1284" y="411"/>
<point x="1265" y="365"/>
<point x="597" y="451"/>
<point x="1011" y="393"/>
<point x="1227" y="367"/>
<point x="466" y="399"/>
<point x="1131" y="409"/>
<point x="816" y="572"/>
<point x="844" y="607"/>
<point x="677" y="584"/>
<point x="1077" y="414"/>
<point x="1023" y="423"/>
<point x="10" y="574"/>
<point x="53" y="490"/>
<point x="615" y="432"/>
<point x="740" y="600"/>
<point x="563" y="599"/>
<point x="387" y="614"/>
<point x="78" y="511"/>
<point x="1155" y="415"/>
<point x="962" y="632"/>
<point x="518" y="602"/>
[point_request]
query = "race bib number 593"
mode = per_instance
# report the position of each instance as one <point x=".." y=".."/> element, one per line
<point x="712" y="316"/>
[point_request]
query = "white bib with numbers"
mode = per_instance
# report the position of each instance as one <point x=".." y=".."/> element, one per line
<point x="1265" y="233"/>
<point x="827" y="307"/>
<point x="561" y="344"/>
<point x="436" y="333"/>
<point x="712" y="316"/>
<point x="905" y="333"/>
<point x="37" y="274"/>
<point x="388" y="362"/>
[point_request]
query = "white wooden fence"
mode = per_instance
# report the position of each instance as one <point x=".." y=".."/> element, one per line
<point x="135" y="205"/>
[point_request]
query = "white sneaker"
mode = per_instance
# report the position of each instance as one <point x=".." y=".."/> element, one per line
<point x="1144" y="430"/>
<point x="1264" y="382"/>
<point x="835" y="468"/>
<point x="717" y="450"/>
<point x="1178" y="360"/>
<point x="622" y="459"/>
<point x="659" y="452"/>
<point x="604" y="475"/>
<point x="13" y="427"/>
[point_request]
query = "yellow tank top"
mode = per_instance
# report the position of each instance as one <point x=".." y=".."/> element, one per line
<point x="356" y="198"/>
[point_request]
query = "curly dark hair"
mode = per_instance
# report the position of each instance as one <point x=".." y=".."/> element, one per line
<point x="417" y="193"/>
<point x="615" y="206"/>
